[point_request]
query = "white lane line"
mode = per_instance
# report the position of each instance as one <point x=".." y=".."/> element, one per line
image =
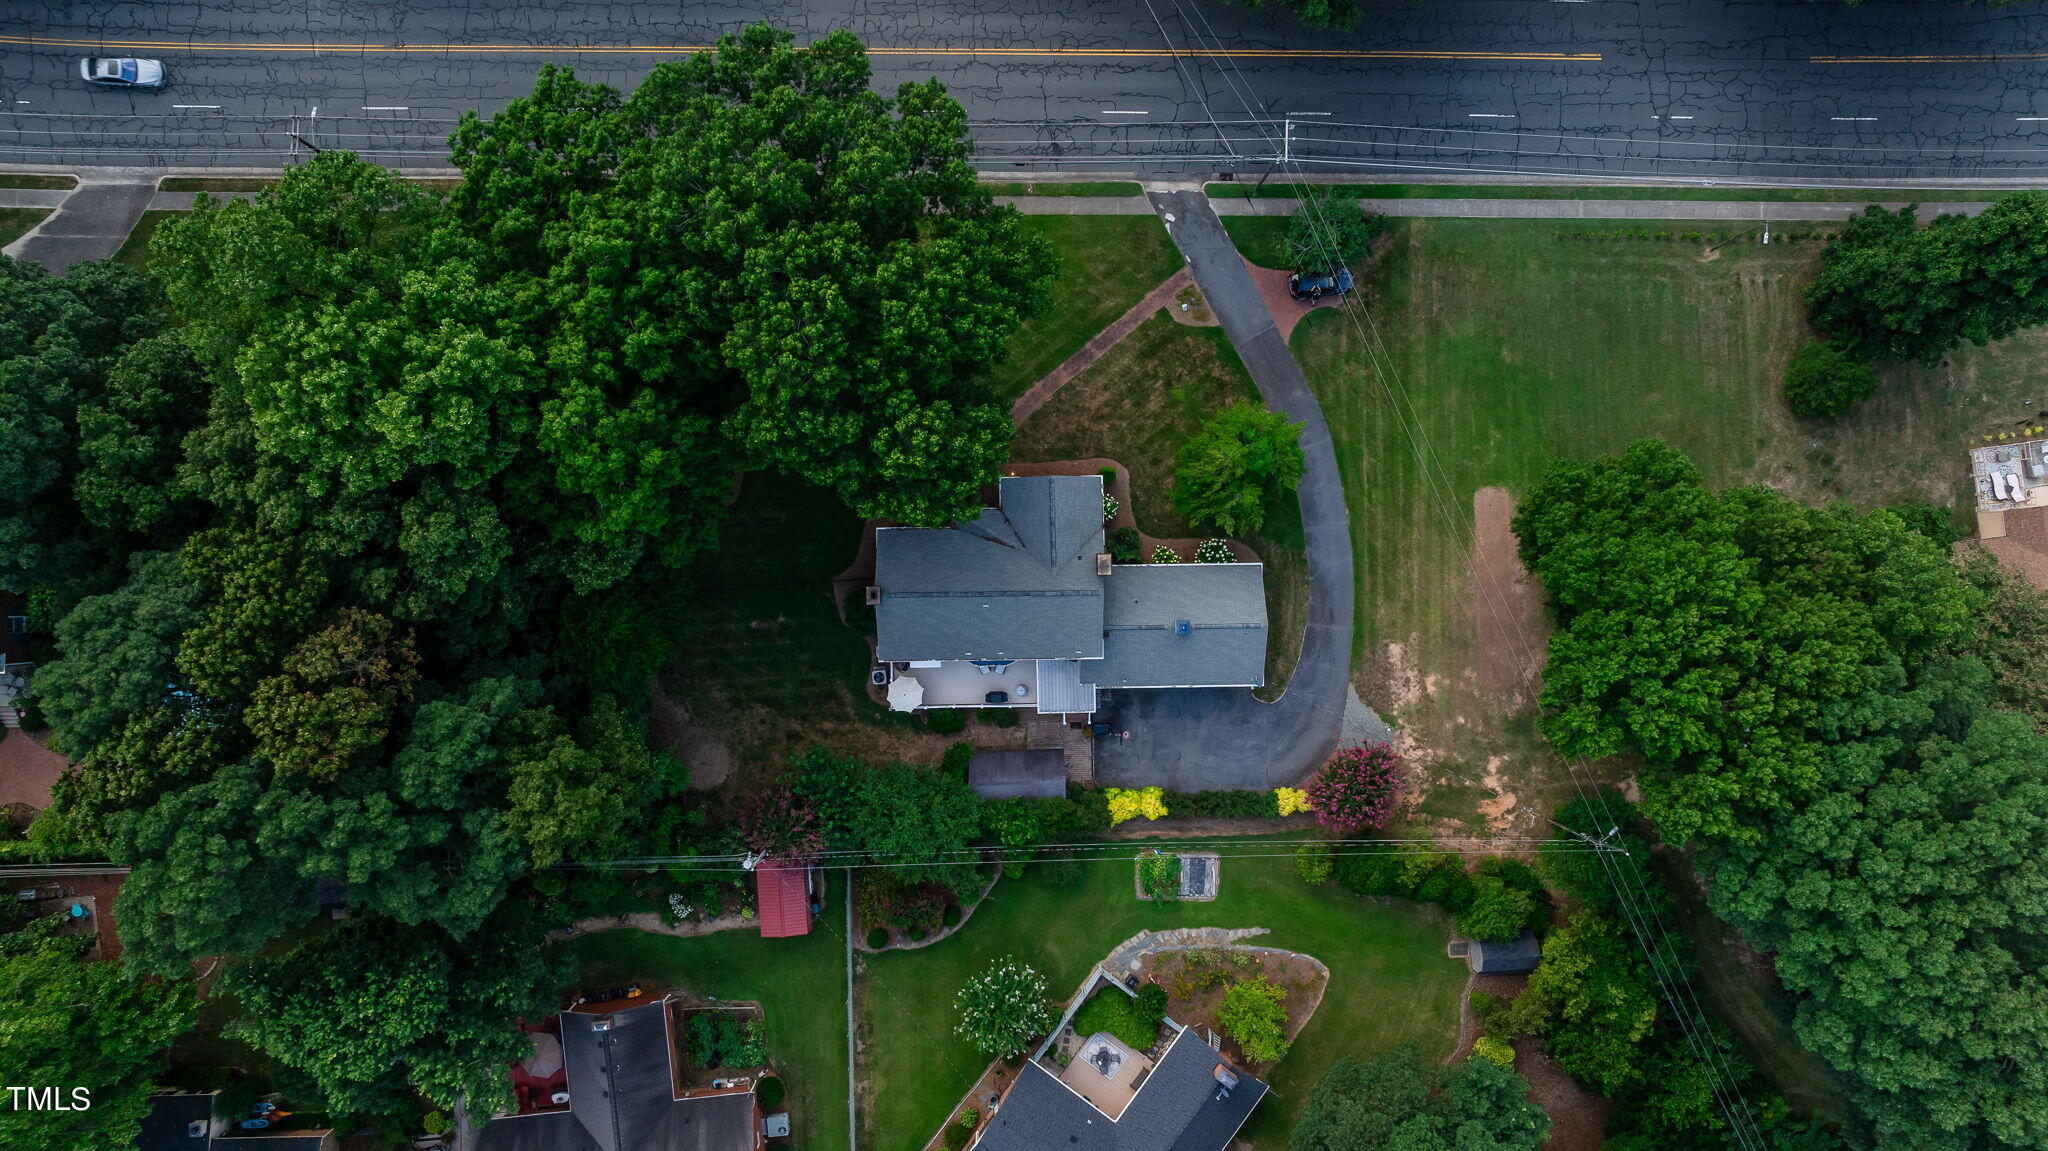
<point x="1671" y="117"/>
<point x="1123" y="112"/>
<point x="208" y="107"/>
<point x="1490" y="115"/>
<point x="1853" y="119"/>
<point x="386" y="108"/>
<point x="2021" y="119"/>
<point x="1311" y="113"/>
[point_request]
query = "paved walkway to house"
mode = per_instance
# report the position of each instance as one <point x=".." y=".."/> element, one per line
<point x="91" y="222"/>
<point x="1192" y="739"/>
<point x="1788" y="211"/>
<point x="1034" y="398"/>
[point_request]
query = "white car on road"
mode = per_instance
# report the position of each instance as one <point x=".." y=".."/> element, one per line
<point x="122" y="72"/>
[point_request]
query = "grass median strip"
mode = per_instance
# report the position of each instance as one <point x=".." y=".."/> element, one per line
<point x="1275" y="190"/>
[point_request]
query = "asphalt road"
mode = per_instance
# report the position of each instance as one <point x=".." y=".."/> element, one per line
<point x="1813" y="92"/>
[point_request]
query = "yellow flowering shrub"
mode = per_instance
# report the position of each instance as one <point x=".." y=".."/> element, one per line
<point x="1290" y="799"/>
<point x="1125" y="803"/>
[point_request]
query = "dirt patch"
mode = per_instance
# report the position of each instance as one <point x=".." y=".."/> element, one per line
<point x="1578" y="1117"/>
<point x="673" y="728"/>
<point x="1509" y="608"/>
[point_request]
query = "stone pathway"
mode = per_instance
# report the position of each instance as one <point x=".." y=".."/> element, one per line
<point x="1109" y="337"/>
<point x="1126" y="955"/>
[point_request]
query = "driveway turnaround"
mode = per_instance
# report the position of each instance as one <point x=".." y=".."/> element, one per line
<point x="90" y="224"/>
<point x="1197" y="739"/>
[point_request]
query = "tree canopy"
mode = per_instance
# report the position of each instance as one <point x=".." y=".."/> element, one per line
<point x="1242" y="460"/>
<point x="1394" y="1102"/>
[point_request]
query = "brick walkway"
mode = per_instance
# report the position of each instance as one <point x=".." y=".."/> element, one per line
<point x="1104" y="340"/>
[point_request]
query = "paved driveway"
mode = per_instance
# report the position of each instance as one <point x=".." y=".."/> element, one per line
<point x="91" y="223"/>
<point x="1191" y="740"/>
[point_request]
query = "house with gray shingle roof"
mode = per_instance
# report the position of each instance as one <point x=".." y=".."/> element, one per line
<point x="1021" y="607"/>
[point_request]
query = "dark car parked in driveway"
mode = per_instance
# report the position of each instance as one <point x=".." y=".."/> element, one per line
<point x="1315" y="285"/>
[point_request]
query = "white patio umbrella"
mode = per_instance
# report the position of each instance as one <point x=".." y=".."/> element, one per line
<point x="905" y="693"/>
<point x="547" y="1056"/>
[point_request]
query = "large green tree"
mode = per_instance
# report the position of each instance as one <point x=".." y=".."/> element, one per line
<point x="1232" y="471"/>
<point x="69" y="1023"/>
<point x="1394" y="1103"/>
<point x="374" y="1010"/>
<point x="757" y="249"/>
<point x="1891" y="290"/>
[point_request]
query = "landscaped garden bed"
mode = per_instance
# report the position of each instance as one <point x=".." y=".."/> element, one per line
<point x="1197" y="981"/>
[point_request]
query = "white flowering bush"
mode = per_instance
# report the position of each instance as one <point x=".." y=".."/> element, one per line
<point x="1004" y="1008"/>
<point x="1165" y="555"/>
<point x="1109" y="506"/>
<point x="679" y="907"/>
<point x="1214" y="552"/>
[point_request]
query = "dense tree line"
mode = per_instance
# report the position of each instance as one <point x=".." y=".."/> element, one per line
<point x="1847" y="724"/>
<point x="351" y="531"/>
<point x="1393" y="1102"/>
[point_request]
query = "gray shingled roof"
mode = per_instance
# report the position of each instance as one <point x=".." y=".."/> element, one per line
<point x="1175" y="1109"/>
<point x="1511" y="958"/>
<point x="1223" y="645"/>
<point x="1036" y="774"/>
<point x="1019" y="582"/>
<point x="622" y="1096"/>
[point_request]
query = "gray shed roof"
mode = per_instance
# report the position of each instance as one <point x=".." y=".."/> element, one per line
<point x="1522" y="954"/>
<point x="1018" y="582"/>
<point x="1182" y="625"/>
<point x="163" y="1127"/>
<point x="1175" y="1109"/>
<point x="1036" y="774"/>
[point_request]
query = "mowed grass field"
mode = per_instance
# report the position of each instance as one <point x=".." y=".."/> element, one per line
<point x="800" y="984"/>
<point x="1390" y="982"/>
<point x="1107" y="263"/>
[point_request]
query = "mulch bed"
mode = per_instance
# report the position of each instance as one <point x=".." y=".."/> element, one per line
<point x="1578" y="1117"/>
<point x="1302" y="977"/>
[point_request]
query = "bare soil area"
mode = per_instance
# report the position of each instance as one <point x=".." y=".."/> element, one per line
<point x="1509" y="604"/>
<point x="1196" y="981"/>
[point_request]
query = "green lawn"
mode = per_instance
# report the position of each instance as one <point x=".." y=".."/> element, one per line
<point x="764" y="659"/>
<point x="1107" y="263"/>
<point x="1138" y="404"/>
<point x="45" y="183"/>
<point x="1067" y="188"/>
<point x="1389" y="982"/>
<point x="800" y="984"/>
<point x="15" y="222"/>
<point x="1260" y="239"/>
<point x="1276" y="190"/>
<point x="135" y="249"/>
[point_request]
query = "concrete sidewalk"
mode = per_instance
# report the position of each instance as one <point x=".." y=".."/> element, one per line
<point x="1790" y="211"/>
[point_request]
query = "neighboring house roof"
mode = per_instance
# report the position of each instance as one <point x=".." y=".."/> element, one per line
<point x="1522" y="954"/>
<point x="1175" y="1109"/>
<point x="783" y="893"/>
<point x="1018" y="582"/>
<point x="285" y="1141"/>
<point x="1182" y="625"/>
<point x="622" y="1096"/>
<point x="163" y="1127"/>
<point x="1037" y="774"/>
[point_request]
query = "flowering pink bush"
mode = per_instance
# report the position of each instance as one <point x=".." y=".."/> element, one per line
<point x="1357" y="788"/>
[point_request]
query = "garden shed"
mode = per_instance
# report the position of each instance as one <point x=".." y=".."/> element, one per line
<point x="1512" y="958"/>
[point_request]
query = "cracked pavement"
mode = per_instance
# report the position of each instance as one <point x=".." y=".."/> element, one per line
<point x="1648" y="88"/>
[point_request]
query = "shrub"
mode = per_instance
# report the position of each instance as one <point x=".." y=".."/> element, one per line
<point x="878" y="938"/>
<point x="1520" y="877"/>
<point x="1494" y="1051"/>
<point x="999" y="716"/>
<point x="957" y="757"/>
<point x="1495" y="912"/>
<point x="1215" y="552"/>
<point x="1165" y="555"/>
<point x="917" y="934"/>
<point x="1124" y="545"/>
<point x="1108" y="475"/>
<point x="1331" y="226"/>
<point x="1288" y="800"/>
<point x="1221" y="804"/>
<point x="1357" y="787"/>
<point x="1126" y="803"/>
<point x="952" y="916"/>
<point x="434" y="1123"/>
<point x="719" y="1040"/>
<point x="1109" y="506"/>
<point x="1004" y="1008"/>
<point x="1061" y="869"/>
<point x="1824" y="381"/>
<point x="1313" y="862"/>
<point x="1254" y="1013"/>
<point x="945" y="721"/>
<point x="769" y="1093"/>
<point x="1159" y="875"/>
<point x="1122" y="1016"/>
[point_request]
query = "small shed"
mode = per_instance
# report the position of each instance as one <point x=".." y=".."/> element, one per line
<point x="1512" y="958"/>
<point x="1037" y="774"/>
<point x="783" y="891"/>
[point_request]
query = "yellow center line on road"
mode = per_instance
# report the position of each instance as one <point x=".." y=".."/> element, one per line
<point x="1939" y="58"/>
<point x="683" y="49"/>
